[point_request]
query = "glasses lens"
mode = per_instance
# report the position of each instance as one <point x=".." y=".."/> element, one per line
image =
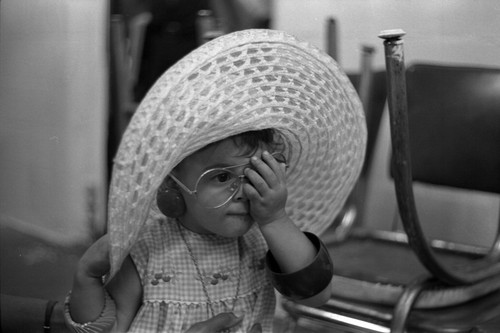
<point x="216" y="186"/>
<point x="279" y="157"/>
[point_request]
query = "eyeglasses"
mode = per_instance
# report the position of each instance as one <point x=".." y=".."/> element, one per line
<point x="216" y="187"/>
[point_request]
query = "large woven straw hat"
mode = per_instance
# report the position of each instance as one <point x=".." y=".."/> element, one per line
<point x="247" y="80"/>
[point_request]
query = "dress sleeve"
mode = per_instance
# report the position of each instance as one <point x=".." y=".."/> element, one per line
<point x="307" y="282"/>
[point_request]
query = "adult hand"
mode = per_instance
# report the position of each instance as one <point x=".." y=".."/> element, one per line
<point x="220" y="323"/>
<point x="87" y="296"/>
<point x="95" y="261"/>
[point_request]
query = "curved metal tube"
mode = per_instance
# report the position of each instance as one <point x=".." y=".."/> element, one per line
<point x="481" y="269"/>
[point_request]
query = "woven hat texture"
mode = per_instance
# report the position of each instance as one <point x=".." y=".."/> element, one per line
<point x="247" y="80"/>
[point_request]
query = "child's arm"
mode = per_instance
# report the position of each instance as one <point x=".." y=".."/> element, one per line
<point x="293" y="252"/>
<point x="89" y="302"/>
<point x="291" y="249"/>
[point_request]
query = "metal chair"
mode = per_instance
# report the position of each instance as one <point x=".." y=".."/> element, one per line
<point x="403" y="281"/>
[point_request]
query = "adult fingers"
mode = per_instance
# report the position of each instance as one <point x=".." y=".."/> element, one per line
<point x="222" y="321"/>
<point x="257" y="328"/>
<point x="95" y="261"/>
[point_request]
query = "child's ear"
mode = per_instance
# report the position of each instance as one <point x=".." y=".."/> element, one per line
<point x="169" y="199"/>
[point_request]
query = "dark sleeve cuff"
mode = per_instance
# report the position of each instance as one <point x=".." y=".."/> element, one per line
<point x="307" y="282"/>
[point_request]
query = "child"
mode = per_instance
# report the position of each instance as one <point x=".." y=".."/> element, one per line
<point x="236" y="148"/>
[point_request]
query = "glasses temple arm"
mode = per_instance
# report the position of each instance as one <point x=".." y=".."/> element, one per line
<point x="181" y="185"/>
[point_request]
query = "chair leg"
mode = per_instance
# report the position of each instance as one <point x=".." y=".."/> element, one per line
<point x="480" y="269"/>
<point x="406" y="301"/>
<point x="289" y="321"/>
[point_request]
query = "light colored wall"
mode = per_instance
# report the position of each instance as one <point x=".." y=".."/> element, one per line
<point x="458" y="31"/>
<point x="53" y="100"/>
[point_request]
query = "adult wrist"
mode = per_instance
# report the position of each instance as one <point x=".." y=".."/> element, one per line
<point x="57" y="323"/>
<point x="103" y="323"/>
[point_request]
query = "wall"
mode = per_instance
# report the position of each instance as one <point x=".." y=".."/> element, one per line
<point x="53" y="101"/>
<point x="463" y="31"/>
<point x="458" y="31"/>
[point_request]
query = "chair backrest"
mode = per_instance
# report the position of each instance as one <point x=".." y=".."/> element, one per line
<point x="454" y="125"/>
<point x="452" y="115"/>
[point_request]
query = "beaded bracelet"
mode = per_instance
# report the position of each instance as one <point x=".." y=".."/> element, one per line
<point x="104" y="323"/>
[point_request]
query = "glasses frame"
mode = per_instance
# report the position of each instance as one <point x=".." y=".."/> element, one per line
<point x="229" y="168"/>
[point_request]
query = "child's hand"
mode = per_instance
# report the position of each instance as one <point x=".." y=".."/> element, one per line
<point x="95" y="261"/>
<point x="266" y="189"/>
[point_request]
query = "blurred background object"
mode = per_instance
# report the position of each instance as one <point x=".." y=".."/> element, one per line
<point x="172" y="32"/>
<point x="147" y="37"/>
<point x="442" y="32"/>
<point x="53" y="100"/>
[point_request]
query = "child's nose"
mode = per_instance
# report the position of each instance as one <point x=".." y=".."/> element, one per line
<point x="240" y="193"/>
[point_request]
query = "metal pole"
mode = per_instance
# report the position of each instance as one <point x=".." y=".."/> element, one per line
<point x="331" y="38"/>
<point x="398" y="113"/>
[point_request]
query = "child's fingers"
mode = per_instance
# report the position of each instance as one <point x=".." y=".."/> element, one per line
<point x="267" y="169"/>
<point x="251" y="192"/>
<point x="256" y="181"/>
<point x="277" y="167"/>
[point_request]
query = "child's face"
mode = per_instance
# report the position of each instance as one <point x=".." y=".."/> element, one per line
<point x="230" y="220"/>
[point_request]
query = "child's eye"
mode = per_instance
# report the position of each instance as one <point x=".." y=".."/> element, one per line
<point x="217" y="177"/>
<point x="223" y="177"/>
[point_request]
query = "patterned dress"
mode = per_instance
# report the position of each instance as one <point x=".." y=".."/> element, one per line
<point x="173" y="295"/>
